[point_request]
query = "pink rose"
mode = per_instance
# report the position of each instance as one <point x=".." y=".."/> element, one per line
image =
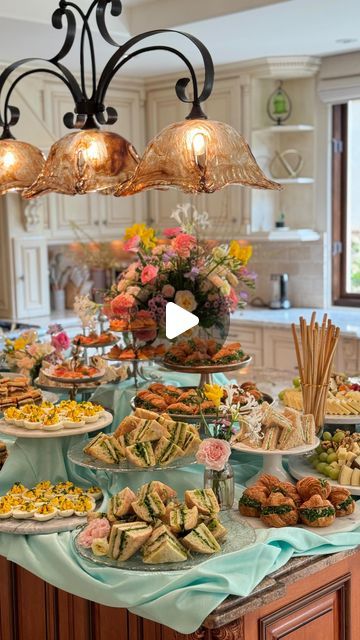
<point x="60" y="341"/>
<point x="149" y="273"/>
<point x="172" y="232"/>
<point x="132" y="244"/>
<point x="183" y="243"/>
<point x="233" y="299"/>
<point x="122" y="303"/>
<point x="97" y="528"/>
<point x="213" y="453"/>
<point x="168" y="291"/>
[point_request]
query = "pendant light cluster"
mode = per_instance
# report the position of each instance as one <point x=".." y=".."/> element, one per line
<point x="196" y="155"/>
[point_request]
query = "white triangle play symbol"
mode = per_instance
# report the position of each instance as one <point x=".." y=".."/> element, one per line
<point x="178" y="320"/>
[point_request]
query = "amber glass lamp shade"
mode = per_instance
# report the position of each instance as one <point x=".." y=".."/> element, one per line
<point x="85" y="161"/>
<point x="20" y="164"/>
<point x="197" y="156"/>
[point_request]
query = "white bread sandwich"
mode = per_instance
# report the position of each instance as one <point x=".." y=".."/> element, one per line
<point x="165" y="549"/>
<point x="204" y="499"/>
<point x="216" y="528"/>
<point x="165" y="492"/>
<point x="201" y="540"/>
<point x="127" y="425"/>
<point x="308" y="427"/>
<point x="141" y="454"/>
<point x="105" y="448"/>
<point x="150" y="507"/>
<point x="149" y="431"/>
<point x="183" y="519"/>
<point x="166" y="451"/>
<point x="191" y="444"/>
<point x="120" y="503"/>
<point x="127" y="538"/>
<point x="146" y="414"/>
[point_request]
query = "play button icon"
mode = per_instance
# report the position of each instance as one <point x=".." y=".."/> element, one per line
<point x="178" y="320"/>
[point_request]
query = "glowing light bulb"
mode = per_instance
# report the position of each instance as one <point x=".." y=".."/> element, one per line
<point x="9" y="159"/>
<point x="198" y="143"/>
<point x="92" y="152"/>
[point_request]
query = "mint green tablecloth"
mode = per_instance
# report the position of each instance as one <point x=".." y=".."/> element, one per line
<point x="180" y="600"/>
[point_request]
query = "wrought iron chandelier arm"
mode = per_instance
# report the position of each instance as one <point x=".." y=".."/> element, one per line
<point x="144" y="50"/>
<point x="65" y="76"/>
<point x="180" y="85"/>
<point x="116" y="9"/>
<point x="64" y="10"/>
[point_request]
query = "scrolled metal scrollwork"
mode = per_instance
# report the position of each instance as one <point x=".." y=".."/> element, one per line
<point x="89" y="111"/>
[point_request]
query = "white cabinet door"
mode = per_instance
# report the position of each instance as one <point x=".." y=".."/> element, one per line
<point x="279" y="350"/>
<point x="251" y="339"/>
<point x="31" y="277"/>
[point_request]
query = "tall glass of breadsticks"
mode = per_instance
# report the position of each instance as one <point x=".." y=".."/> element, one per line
<point x="315" y="355"/>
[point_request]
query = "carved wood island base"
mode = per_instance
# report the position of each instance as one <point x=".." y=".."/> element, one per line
<point x="311" y="597"/>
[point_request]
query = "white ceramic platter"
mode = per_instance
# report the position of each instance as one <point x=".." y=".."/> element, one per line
<point x="300" y="468"/>
<point x="295" y="451"/>
<point x="20" y="432"/>
<point x="340" y="525"/>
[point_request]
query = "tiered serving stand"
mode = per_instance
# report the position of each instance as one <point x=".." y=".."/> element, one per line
<point x="206" y="371"/>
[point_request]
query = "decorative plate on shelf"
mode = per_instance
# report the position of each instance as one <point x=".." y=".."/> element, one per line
<point x="77" y="456"/>
<point x="299" y="468"/>
<point x="241" y="534"/>
<point x="20" y="432"/>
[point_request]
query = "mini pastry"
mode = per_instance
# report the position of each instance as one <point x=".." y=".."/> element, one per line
<point x="309" y="486"/>
<point x="252" y="500"/>
<point x="279" y="511"/>
<point x="343" y="502"/>
<point x="317" y="512"/>
<point x="288" y="489"/>
<point x="268" y="481"/>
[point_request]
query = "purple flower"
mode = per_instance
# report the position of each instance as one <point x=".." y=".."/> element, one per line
<point x="243" y="295"/>
<point x="157" y="306"/>
<point x="192" y="274"/>
<point x="54" y="328"/>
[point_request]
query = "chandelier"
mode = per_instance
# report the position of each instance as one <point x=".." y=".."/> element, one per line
<point x="195" y="155"/>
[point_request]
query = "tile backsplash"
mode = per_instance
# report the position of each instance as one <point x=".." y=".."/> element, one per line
<point x="304" y="262"/>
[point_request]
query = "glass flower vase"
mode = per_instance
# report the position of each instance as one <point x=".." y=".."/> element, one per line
<point x="222" y="483"/>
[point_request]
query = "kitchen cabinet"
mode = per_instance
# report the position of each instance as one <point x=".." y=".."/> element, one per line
<point x="31" y="277"/>
<point x="314" y="598"/>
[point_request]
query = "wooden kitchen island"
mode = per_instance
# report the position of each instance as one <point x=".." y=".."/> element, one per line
<point x="311" y="597"/>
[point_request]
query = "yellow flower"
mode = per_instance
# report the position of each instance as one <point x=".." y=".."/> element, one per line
<point x="19" y="344"/>
<point x="214" y="393"/>
<point x="145" y="233"/>
<point x="239" y="251"/>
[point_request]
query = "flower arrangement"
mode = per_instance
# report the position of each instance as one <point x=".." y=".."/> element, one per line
<point x="86" y="310"/>
<point x="198" y="275"/>
<point x="26" y="353"/>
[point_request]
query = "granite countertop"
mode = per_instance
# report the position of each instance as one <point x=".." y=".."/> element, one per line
<point x="347" y="318"/>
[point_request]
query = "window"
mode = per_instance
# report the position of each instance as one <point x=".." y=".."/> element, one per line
<point x="346" y="203"/>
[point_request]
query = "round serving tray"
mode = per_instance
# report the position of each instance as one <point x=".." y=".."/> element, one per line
<point x="21" y="432"/>
<point x="130" y="360"/>
<point x="77" y="456"/>
<point x="208" y="368"/>
<point x="300" y="468"/>
<point x="72" y="381"/>
<point x="240" y="534"/>
<point x="100" y="345"/>
<point x="196" y="417"/>
<point x="57" y="386"/>
<point x="33" y="527"/>
<point x="273" y="460"/>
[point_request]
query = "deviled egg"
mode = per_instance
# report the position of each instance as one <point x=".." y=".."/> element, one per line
<point x="6" y="509"/>
<point x="94" y="492"/>
<point x="17" y="489"/>
<point x="65" y="507"/>
<point x="83" y="506"/>
<point x="45" y="512"/>
<point x="24" y="511"/>
<point x="32" y="424"/>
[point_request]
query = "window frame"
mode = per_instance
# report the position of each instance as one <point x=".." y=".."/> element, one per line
<point x="339" y="170"/>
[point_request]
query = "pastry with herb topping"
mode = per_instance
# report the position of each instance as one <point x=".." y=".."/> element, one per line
<point x="279" y="511"/>
<point x="317" y="512"/>
<point x="343" y="502"/>
<point x="252" y="500"/>
<point x="310" y="486"/>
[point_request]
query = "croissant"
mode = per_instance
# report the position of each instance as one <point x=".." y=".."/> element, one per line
<point x="343" y="502"/>
<point x="279" y="511"/>
<point x="317" y="512"/>
<point x="309" y="486"/>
